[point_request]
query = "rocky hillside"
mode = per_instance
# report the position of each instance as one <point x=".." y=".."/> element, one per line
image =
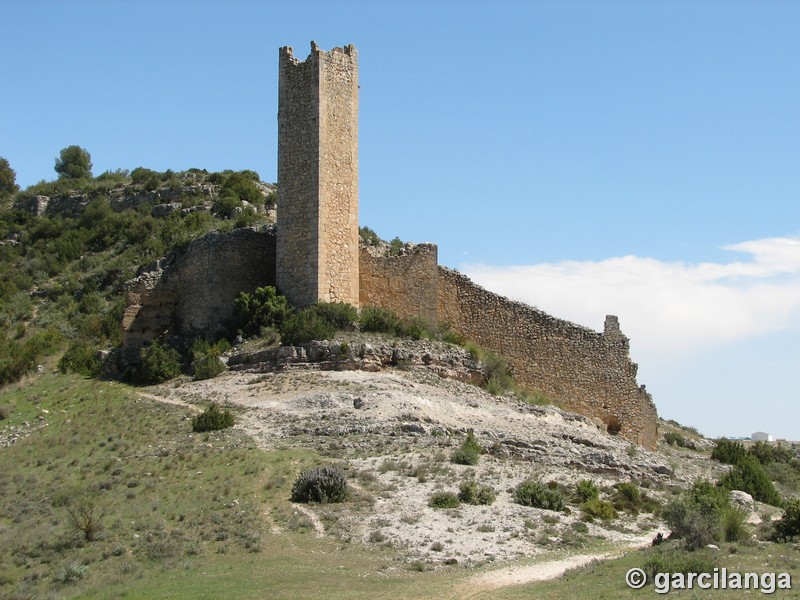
<point x="393" y="430"/>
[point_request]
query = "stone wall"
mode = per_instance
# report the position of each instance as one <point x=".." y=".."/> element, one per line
<point x="585" y="371"/>
<point x="317" y="247"/>
<point x="407" y="283"/>
<point x="192" y="292"/>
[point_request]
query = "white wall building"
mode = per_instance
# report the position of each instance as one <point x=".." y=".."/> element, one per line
<point x="762" y="436"/>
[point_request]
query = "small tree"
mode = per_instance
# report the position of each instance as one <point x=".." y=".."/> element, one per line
<point x="85" y="516"/>
<point x="74" y="162"/>
<point x="8" y="179"/>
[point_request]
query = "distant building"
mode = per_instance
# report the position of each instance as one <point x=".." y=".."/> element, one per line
<point x="761" y="436"/>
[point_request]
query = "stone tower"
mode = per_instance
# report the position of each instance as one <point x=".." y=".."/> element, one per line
<point x="317" y="239"/>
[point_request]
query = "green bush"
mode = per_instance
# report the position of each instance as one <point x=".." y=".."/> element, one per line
<point x="80" y="358"/>
<point x="749" y="476"/>
<point x="729" y="452"/>
<point x="339" y="315"/>
<point x="368" y="236"/>
<point x="472" y="493"/>
<point x="788" y="527"/>
<point x="305" y="326"/>
<point x="262" y="308"/>
<point x="600" y="509"/>
<point x="767" y="453"/>
<point x="323" y="485"/>
<point x="205" y="358"/>
<point x="673" y="438"/>
<point x="379" y="320"/>
<point x="533" y="493"/>
<point x="498" y="373"/>
<point x="158" y="364"/>
<point x="468" y="452"/>
<point x="704" y="515"/>
<point x="444" y="500"/>
<point x="586" y="490"/>
<point x="212" y="419"/>
<point x="242" y="186"/>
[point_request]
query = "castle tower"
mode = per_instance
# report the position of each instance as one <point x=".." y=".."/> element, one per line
<point x="317" y="239"/>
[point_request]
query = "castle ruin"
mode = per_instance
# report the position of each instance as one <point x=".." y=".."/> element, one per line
<point x="313" y="254"/>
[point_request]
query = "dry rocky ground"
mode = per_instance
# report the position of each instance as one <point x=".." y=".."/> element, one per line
<point x="394" y="429"/>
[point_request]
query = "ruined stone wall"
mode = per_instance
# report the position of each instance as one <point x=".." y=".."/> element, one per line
<point x="193" y="291"/>
<point x="585" y="371"/>
<point x="407" y="283"/>
<point x="317" y="247"/>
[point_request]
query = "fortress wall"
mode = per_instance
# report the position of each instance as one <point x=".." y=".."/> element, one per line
<point x="585" y="371"/>
<point x="407" y="283"/>
<point x="193" y="291"/>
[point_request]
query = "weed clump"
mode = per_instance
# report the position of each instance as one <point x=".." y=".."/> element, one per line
<point x="472" y="493"/>
<point x="212" y="419"/>
<point x="596" y="508"/>
<point x="444" y="500"/>
<point x="586" y="490"/>
<point x="467" y="453"/>
<point x="323" y="485"/>
<point x="534" y="493"/>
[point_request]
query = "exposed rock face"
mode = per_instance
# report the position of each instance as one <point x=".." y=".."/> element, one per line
<point x="446" y="361"/>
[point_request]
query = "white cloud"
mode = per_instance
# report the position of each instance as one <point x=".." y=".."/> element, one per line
<point x="670" y="310"/>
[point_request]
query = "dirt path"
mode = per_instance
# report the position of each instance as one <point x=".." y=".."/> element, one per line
<point x="319" y="528"/>
<point x="543" y="571"/>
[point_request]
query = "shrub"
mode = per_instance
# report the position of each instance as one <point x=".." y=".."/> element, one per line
<point x="444" y="500"/>
<point x="695" y="528"/>
<point x="262" y="308"/>
<point x="86" y="517"/>
<point x="788" y="527"/>
<point x="498" y="373"/>
<point x="471" y="493"/>
<point x="71" y="572"/>
<point x="379" y="320"/>
<point x="206" y="363"/>
<point x="368" y="236"/>
<point x="338" y="315"/>
<point x="80" y="358"/>
<point x="729" y="452"/>
<point x="599" y="508"/>
<point x="533" y="493"/>
<point x="702" y="516"/>
<point x="587" y="490"/>
<point x="158" y="364"/>
<point x="212" y="419"/>
<point x="767" y="453"/>
<point x="467" y="453"/>
<point x="749" y="476"/>
<point x="323" y="485"/>
<point x="673" y="438"/>
<point x="305" y="326"/>
<point x="628" y="494"/>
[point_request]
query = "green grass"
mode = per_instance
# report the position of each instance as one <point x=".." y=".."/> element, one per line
<point x="208" y="515"/>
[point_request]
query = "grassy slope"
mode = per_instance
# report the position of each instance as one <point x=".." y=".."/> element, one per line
<point x="192" y="516"/>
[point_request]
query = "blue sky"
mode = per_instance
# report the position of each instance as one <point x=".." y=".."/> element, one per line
<point x="635" y="158"/>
